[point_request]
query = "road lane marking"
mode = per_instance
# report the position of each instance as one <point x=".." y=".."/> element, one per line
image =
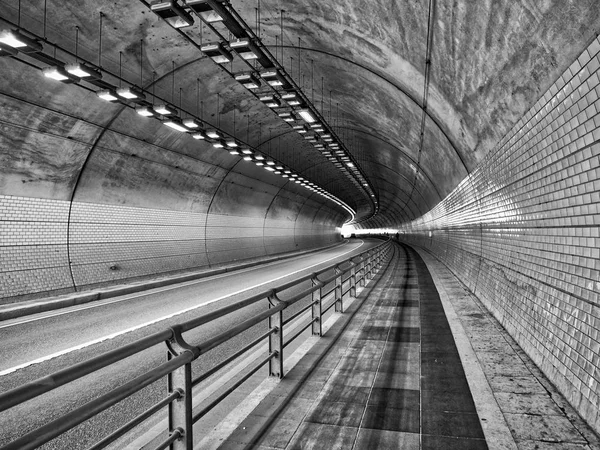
<point x="152" y="322"/>
<point x="100" y="303"/>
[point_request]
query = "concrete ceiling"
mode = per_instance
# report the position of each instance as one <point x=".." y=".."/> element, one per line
<point x="363" y="63"/>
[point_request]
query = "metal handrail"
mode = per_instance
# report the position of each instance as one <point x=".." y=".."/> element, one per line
<point x="181" y="354"/>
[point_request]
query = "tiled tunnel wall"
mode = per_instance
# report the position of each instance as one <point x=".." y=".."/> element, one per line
<point x="523" y="233"/>
<point x="110" y="243"/>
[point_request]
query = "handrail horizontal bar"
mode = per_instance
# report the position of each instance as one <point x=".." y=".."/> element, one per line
<point x="135" y="421"/>
<point x="55" y="428"/>
<point x="326" y="309"/>
<point x="176" y="434"/>
<point x="46" y="384"/>
<point x="299" y="332"/>
<point x="232" y="388"/>
<point x="241" y="351"/>
<point x="211" y="343"/>
<point x="299" y="313"/>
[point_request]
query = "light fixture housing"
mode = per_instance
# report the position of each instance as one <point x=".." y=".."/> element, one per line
<point x="307" y="115"/>
<point x="108" y="94"/>
<point x="247" y="151"/>
<point x="131" y="93"/>
<point x="199" y="135"/>
<point x="245" y="48"/>
<point x="273" y="78"/>
<point x="175" y="124"/>
<point x="288" y="116"/>
<point x="231" y="143"/>
<point x="192" y="123"/>
<point x="14" y="39"/>
<point x="271" y="100"/>
<point x="58" y="73"/>
<point x="83" y="71"/>
<point x="204" y="10"/>
<point x="165" y="109"/>
<point x="172" y="13"/>
<point x="292" y="98"/>
<point x="248" y="80"/>
<point x="144" y="111"/>
<point x="219" y="144"/>
<point x="213" y="134"/>
<point x="217" y="52"/>
<point x="6" y="50"/>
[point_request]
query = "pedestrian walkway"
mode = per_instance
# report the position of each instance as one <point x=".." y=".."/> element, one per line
<point x="393" y="378"/>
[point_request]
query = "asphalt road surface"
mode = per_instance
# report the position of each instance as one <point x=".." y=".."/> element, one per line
<point x="37" y="345"/>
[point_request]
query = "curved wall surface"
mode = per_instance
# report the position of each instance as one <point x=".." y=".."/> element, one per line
<point x="523" y="233"/>
<point x="97" y="195"/>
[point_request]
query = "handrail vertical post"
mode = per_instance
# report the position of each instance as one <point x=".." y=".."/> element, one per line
<point x="353" y="281"/>
<point x="362" y="272"/>
<point x="180" y="410"/>
<point x="339" y="305"/>
<point x="317" y="308"/>
<point x="276" y="339"/>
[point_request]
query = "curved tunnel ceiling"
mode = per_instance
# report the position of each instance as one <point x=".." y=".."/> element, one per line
<point x="415" y="133"/>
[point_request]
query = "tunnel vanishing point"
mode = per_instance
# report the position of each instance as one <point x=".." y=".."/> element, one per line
<point x="140" y="139"/>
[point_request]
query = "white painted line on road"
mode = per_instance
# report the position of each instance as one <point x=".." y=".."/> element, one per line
<point x="152" y="322"/>
<point x="101" y="303"/>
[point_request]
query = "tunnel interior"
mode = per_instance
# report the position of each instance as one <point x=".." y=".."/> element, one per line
<point x="471" y="128"/>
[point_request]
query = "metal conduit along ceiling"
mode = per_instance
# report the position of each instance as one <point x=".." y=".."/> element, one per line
<point x="412" y="94"/>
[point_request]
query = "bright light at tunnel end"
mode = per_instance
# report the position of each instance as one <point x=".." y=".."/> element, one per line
<point x="348" y="230"/>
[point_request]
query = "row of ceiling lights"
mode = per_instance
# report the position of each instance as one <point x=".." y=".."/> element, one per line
<point x="289" y="103"/>
<point x="13" y="41"/>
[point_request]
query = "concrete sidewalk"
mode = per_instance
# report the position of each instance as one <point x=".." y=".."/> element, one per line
<point x="420" y="364"/>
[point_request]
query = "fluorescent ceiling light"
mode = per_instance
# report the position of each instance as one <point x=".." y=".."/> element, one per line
<point x="144" y="111"/>
<point x="56" y="73"/>
<point x="191" y="123"/>
<point x="82" y="71"/>
<point x="172" y="13"/>
<point x="234" y="152"/>
<point x="232" y="143"/>
<point x="247" y="158"/>
<point x="307" y="116"/>
<point x="205" y="10"/>
<point x="217" y="52"/>
<point x="213" y="134"/>
<point x="247" y="151"/>
<point x="219" y="144"/>
<point x="273" y="77"/>
<point x="270" y="169"/>
<point x="5" y="50"/>
<point x="175" y="124"/>
<point x="130" y="93"/>
<point x="108" y="95"/>
<point x="288" y="117"/>
<point x="199" y="136"/>
<point x="270" y="163"/>
<point x="270" y="100"/>
<point x="244" y="48"/>
<point x="164" y="109"/>
<point x="248" y="80"/>
<point x="259" y="157"/>
<point x="291" y="98"/>
<point x="14" y="39"/>
<point x="259" y="163"/>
